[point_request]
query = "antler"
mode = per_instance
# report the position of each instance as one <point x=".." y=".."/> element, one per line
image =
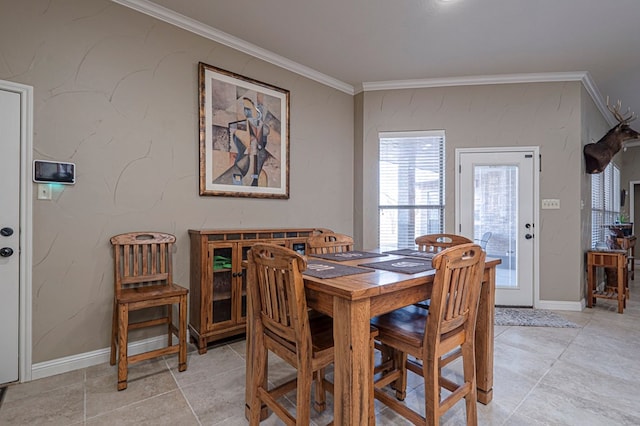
<point x="616" y="113"/>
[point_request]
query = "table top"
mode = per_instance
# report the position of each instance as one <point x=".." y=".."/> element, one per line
<point x="373" y="283"/>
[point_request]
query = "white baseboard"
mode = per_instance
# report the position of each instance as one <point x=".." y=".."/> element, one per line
<point x="560" y="305"/>
<point x="88" y="359"/>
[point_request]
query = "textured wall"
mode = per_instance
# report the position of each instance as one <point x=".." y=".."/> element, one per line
<point x="535" y="114"/>
<point x="594" y="126"/>
<point x="115" y="92"/>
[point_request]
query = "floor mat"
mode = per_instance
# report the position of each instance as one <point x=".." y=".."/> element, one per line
<point x="528" y="317"/>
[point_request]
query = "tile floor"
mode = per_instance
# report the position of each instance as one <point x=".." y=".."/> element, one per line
<point x="543" y="376"/>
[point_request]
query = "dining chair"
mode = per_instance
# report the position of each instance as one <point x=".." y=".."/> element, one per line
<point x="482" y="242"/>
<point x="332" y="242"/>
<point x="143" y="278"/>
<point x="435" y="243"/>
<point x="283" y="326"/>
<point x="329" y="242"/>
<point x="435" y="337"/>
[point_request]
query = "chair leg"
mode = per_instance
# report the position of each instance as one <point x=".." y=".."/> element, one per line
<point x="430" y="372"/>
<point x="303" y="394"/>
<point x="114" y="334"/>
<point x="372" y="364"/>
<point x="169" y="324"/>
<point x="258" y="378"/>
<point x="469" y="371"/>
<point x="123" y="329"/>
<point x="400" y="385"/>
<point x="182" y="334"/>
<point x="320" y="400"/>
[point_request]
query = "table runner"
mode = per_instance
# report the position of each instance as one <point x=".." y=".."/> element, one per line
<point x="347" y="255"/>
<point x="405" y="265"/>
<point x="320" y="269"/>
<point x="412" y="253"/>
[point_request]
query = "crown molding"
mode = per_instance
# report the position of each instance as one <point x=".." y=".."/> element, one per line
<point x="474" y="80"/>
<point x="193" y="26"/>
<point x="159" y="12"/>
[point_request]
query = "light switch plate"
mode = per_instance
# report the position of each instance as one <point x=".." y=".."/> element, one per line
<point x="44" y="191"/>
<point x="550" y="203"/>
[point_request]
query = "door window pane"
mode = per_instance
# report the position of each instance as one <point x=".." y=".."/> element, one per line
<point x="496" y="211"/>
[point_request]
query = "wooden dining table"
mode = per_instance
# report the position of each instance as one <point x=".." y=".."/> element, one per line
<point x="352" y="300"/>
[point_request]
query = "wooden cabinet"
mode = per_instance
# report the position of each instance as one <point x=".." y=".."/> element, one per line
<point x="218" y="281"/>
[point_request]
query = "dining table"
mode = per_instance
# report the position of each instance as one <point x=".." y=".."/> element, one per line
<point x="368" y="291"/>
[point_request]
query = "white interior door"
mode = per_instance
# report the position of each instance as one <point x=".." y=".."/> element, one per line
<point x="9" y="234"/>
<point x="496" y="193"/>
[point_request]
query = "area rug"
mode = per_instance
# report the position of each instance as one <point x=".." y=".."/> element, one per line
<point x="528" y="317"/>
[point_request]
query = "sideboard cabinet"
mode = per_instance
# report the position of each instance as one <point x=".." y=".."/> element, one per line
<point x="218" y="280"/>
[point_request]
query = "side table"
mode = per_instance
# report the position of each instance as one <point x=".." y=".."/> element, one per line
<point x="616" y="259"/>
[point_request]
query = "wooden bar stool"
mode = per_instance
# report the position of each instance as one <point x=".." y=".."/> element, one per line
<point x="143" y="278"/>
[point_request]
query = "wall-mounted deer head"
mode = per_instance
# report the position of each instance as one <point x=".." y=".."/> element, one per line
<point x="598" y="155"/>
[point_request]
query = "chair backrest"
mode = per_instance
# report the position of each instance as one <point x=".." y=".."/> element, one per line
<point x="454" y="298"/>
<point x="277" y="297"/>
<point x="142" y="259"/>
<point x="484" y="240"/>
<point x="437" y="242"/>
<point x="329" y="242"/>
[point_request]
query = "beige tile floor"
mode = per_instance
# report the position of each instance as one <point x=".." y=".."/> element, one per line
<point x="543" y="376"/>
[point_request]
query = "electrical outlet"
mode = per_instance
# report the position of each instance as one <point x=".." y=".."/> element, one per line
<point x="44" y="191"/>
<point x="550" y="203"/>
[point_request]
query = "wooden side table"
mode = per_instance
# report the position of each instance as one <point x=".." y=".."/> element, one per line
<point x="629" y="244"/>
<point x="616" y="259"/>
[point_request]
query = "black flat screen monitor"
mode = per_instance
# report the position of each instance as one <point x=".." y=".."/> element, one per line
<point x="54" y="172"/>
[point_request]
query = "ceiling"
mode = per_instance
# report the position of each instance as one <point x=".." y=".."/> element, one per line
<point x="349" y="43"/>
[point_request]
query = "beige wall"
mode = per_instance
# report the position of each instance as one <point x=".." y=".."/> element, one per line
<point x="594" y="127"/>
<point x="115" y="92"/>
<point x="536" y="114"/>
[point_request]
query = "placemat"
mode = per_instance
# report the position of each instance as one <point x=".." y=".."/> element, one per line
<point x="320" y="269"/>
<point x="412" y="253"/>
<point x="404" y="265"/>
<point x="347" y="255"/>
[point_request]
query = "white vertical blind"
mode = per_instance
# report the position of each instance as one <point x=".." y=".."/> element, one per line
<point x="411" y="186"/>
<point x="605" y="202"/>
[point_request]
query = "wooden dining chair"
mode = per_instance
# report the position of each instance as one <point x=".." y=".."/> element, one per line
<point x="282" y="325"/>
<point x="435" y="243"/>
<point x="143" y="279"/>
<point x="329" y="242"/>
<point x="435" y="337"/>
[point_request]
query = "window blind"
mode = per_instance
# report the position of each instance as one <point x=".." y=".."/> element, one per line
<point x="605" y="202"/>
<point x="411" y="186"/>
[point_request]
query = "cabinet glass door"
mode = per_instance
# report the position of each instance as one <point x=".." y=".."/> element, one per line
<point x="222" y="281"/>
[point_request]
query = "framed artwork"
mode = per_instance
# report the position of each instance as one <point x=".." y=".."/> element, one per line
<point x="244" y="136"/>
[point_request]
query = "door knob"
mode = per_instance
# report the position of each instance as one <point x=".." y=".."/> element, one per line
<point x="528" y="236"/>
<point x="6" y="251"/>
<point x="6" y="232"/>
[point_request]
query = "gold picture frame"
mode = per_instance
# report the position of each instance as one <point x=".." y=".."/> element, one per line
<point x="244" y="136"/>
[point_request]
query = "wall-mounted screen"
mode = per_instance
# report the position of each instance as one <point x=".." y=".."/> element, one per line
<point x="54" y="172"/>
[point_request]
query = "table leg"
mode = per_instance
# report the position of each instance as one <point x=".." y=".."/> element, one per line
<point x="591" y="279"/>
<point x="622" y="282"/>
<point x="352" y="361"/>
<point x="484" y="337"/>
